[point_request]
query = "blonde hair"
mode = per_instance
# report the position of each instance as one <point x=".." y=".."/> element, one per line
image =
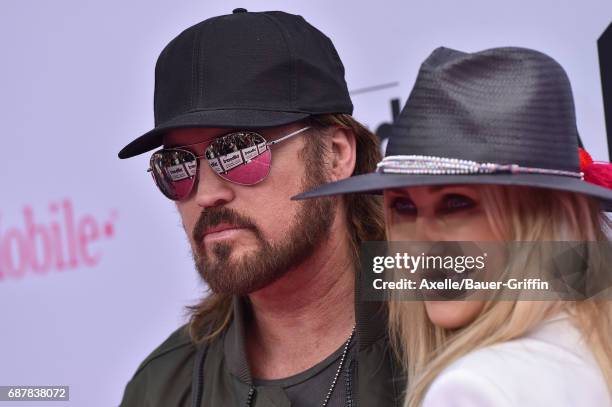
<point x="364" y="218"/>
<point x="515" y="214"/>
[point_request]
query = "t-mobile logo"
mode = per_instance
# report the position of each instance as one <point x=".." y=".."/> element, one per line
<point x="65" y="241"/>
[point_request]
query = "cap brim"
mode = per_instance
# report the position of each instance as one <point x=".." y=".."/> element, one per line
<point x="376" y="182"/>
<point x="245" y="119"/>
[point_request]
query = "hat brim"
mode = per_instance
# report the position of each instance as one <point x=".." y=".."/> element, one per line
<point x="236" y="118"/>
<point x="375" y="183"/>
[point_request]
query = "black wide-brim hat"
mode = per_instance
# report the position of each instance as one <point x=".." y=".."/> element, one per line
<point x="503" y="116"/>
<point x="246" y="70"/>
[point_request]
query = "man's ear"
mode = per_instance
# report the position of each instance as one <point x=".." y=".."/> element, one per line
<point x="343" y="153"/>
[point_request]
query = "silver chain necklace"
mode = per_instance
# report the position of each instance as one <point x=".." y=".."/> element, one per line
<point x="342" y="359"/>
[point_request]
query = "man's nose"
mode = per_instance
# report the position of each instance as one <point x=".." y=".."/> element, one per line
<point x="211" y="190"/>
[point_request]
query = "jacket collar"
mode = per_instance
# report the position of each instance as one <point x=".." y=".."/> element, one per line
<point x="234" y="342"/>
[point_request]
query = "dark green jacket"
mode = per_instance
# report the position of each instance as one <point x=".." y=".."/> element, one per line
<point x="178" y="373"/>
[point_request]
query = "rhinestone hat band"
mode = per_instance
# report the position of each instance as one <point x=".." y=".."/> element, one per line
<point x="429" y="165"/>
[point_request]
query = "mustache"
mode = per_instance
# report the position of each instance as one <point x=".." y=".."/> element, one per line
<point x="212" y="217"/>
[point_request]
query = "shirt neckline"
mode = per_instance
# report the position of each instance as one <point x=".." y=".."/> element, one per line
<point x="309" y="373"/>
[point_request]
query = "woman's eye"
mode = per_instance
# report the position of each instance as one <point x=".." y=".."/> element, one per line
<point x="403" y="206"/>
<point x="458" y="202"/>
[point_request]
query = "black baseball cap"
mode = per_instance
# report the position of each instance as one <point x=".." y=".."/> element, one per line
<point x="245" y="70"/>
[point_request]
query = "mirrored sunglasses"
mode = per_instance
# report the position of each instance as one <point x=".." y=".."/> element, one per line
<point x="242" y="157"/>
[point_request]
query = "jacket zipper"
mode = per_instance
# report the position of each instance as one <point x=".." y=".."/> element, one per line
<point x="349" y="385"/>
<point x="249" y="399"/>
<point x="200" y="385"/>
<point x="198" y="391"/>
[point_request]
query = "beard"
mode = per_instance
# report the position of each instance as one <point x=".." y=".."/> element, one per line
<point x="250" y="272"/>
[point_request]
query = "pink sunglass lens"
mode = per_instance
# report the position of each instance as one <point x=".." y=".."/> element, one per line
<point x="243" y="158"/>
<point x="174" y="172"/>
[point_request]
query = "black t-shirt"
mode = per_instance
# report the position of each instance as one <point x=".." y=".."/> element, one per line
<point x="310" y="387"/>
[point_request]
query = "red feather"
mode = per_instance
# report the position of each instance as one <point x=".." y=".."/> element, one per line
<point x="595" y="172"/>
<point x="599" y="174"/>
<point x="585" y="159"/>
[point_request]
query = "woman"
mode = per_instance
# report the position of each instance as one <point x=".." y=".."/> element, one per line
<point x="486" y="149"/>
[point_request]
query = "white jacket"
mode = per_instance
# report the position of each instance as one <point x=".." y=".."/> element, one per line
<point x="551" y="366"/>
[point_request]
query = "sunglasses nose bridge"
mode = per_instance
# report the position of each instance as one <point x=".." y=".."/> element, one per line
<point x="209" y="189"/>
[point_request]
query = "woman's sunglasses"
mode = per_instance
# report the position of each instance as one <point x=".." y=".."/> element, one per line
<point x="243" y="158"/>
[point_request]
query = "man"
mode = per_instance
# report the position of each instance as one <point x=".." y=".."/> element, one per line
<point x="278" y="328"/>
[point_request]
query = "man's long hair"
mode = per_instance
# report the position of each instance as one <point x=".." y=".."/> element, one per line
<point x="364" y="217"/>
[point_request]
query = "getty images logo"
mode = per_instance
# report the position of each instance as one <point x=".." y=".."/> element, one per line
<point x="65" y="241"/>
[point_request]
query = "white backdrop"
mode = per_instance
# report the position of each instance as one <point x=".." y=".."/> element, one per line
<point x="95" y="269"/>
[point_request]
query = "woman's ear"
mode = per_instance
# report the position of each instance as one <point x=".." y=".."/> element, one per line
<point x="343" y="153"/>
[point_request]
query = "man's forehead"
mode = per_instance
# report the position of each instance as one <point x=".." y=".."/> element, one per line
<point x="194" y="135"/>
